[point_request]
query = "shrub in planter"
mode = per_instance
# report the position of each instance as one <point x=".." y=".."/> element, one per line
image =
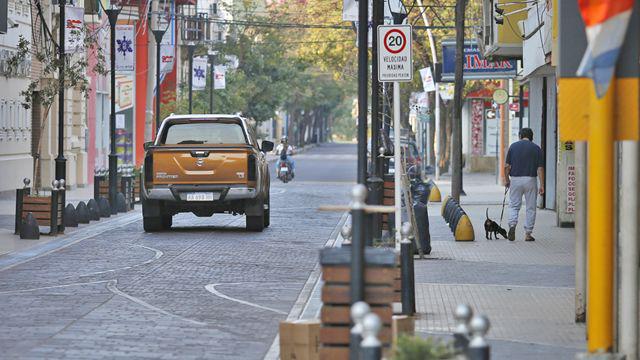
<point x="416" y="348"/>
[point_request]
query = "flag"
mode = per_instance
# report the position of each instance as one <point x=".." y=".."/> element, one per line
<point x="74" y="29"/>
<point x="219" y="75"/>
<point x="199" y="79"/>
<point x="168" y="47"/>
<point x="606" y="25"/>
<point x="125" y="48"/>
<point x="427" y="80"/>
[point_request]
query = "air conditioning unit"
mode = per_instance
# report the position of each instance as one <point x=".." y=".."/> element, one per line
<point x="500" y="37"/>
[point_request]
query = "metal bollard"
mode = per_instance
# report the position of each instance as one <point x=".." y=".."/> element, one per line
<point x="462" y="314"/>
<point x="346" y="234"/>
<point x="479" y="348"/>
<point x="358" y="312"/>
<point x="358" y="196"/>
<point x="406" y="269"/>
<point x="371" y="347"/>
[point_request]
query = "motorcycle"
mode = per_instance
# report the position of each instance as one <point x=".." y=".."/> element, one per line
<point x="285" y="173"/>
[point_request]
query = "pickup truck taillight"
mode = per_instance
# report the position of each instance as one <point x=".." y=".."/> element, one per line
<point x="148" y="168"/>
<point x="251" y="167"/>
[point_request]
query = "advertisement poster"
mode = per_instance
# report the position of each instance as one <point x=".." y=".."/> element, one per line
<point x="477" y="112"/>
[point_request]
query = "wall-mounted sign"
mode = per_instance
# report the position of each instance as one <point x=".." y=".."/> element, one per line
<point x="500" y="96"/>
<point x="476" y="67"/>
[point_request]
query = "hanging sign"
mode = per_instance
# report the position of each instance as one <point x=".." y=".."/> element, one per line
<point x="350" y="10"/>
<point x="168" y="49"/>
<point x="219" y="75"/>
<point x="446" y="91"/>
<point x="394" y="53"/>
<point x="427" y="80"/>
<point x="73" y="29"/>
<point x="199" y="79"/>
<point x="125" y="58"/>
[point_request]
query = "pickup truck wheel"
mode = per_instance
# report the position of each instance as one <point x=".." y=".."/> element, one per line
<point x="255" y="223"/>
<point x="152" y="224"/>
<point x="267" y="212"/>
<point x="167" y="221"/>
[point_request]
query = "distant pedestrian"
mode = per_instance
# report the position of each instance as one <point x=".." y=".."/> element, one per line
<point x="524" y="167"/>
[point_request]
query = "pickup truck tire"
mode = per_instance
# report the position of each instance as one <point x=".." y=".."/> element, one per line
<point x="255" y="223"/>
<point x="152" y="223"/>
<point x="267" y="212"/>
<point x="167" y="221"/>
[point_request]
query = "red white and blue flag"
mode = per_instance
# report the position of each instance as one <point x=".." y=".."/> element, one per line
<point x="606" y="25"/>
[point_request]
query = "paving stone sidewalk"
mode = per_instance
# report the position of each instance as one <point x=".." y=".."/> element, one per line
<point x="525" y="288"/>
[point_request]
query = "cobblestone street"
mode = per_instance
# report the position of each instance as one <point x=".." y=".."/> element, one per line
<point x="205" y="289"/>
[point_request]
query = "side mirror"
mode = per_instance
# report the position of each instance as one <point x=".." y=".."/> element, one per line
<point x="267" y="146"/>
<point x="147" y="145"/>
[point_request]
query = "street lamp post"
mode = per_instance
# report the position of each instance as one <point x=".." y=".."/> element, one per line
<point x="191" y="47"/>
<point x="158" y="34"/>
<point x="212" y="61"/>
<point x="158" y="31"/>
<point x="61" y="162"/>
<point x="112" y="14"/>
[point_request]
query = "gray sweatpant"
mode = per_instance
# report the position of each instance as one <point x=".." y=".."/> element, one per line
<point x="527" y="186"/>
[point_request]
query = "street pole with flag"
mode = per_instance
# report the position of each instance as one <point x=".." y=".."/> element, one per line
<point x="606" y="24"/>
<point x="61" y="162"/>
<point x="112" y="14"/>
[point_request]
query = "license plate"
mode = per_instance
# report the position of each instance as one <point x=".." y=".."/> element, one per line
<point x="284" y="169"/>
<point x="202" y="196"/>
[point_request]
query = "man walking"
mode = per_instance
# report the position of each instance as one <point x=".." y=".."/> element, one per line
<point x="525" y="165"/>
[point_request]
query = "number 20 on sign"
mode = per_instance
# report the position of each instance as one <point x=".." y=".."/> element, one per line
<point x="394" y="53"/>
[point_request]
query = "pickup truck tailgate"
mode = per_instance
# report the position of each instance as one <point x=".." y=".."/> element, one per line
<point x="200" y="166"/>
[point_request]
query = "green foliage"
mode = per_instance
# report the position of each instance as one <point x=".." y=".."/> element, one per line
<point x="416" y="348"/>
<point x="75" y="69"/>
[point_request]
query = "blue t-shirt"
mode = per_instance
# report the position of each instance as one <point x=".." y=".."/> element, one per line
<point x="525" y="158"/>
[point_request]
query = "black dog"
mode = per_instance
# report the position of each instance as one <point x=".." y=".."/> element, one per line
<point x="492" y="227"/>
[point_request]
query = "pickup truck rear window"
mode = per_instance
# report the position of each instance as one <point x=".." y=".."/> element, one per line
<point x="204" y="133"/>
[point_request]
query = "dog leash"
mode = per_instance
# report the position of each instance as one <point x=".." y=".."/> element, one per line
<point x="506" y="190"/>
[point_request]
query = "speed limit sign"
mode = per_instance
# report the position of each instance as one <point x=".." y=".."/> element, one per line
<point x="394" y="53"/>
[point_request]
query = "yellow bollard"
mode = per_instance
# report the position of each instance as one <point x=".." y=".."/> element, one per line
<point x="464" y="229"/>
<point x="600" y="211"/>
<point x="444" y="204"/>
<point x="434" y="195"/>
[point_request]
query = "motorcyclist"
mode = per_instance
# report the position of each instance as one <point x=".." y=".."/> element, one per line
<point x="286" y="152"/>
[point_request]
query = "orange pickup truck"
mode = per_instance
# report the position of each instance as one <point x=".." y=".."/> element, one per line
<point x="205" y="164"/>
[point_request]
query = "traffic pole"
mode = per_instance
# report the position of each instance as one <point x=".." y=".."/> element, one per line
<point x="375" y="180"/>
<point x="363" y="53"/>
<point x="600" y="222"/>
<point x="456" y="124"/>
<point x="397" y="164"/>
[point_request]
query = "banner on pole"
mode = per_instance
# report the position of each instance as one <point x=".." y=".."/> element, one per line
<point x="199" y="73"/>
<point x="219" y="75"/>
<point x="427" y="80"/>
<point x="350" y="10"/>
<point x="73" y="29"/>
<point x="125" y="58"/>
<point x="168" y="49"/>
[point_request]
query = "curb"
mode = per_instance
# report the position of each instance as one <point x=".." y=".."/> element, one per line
<point x="311" y="286"/>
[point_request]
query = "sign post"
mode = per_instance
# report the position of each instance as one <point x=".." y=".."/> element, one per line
<point x="396" y="65"/>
